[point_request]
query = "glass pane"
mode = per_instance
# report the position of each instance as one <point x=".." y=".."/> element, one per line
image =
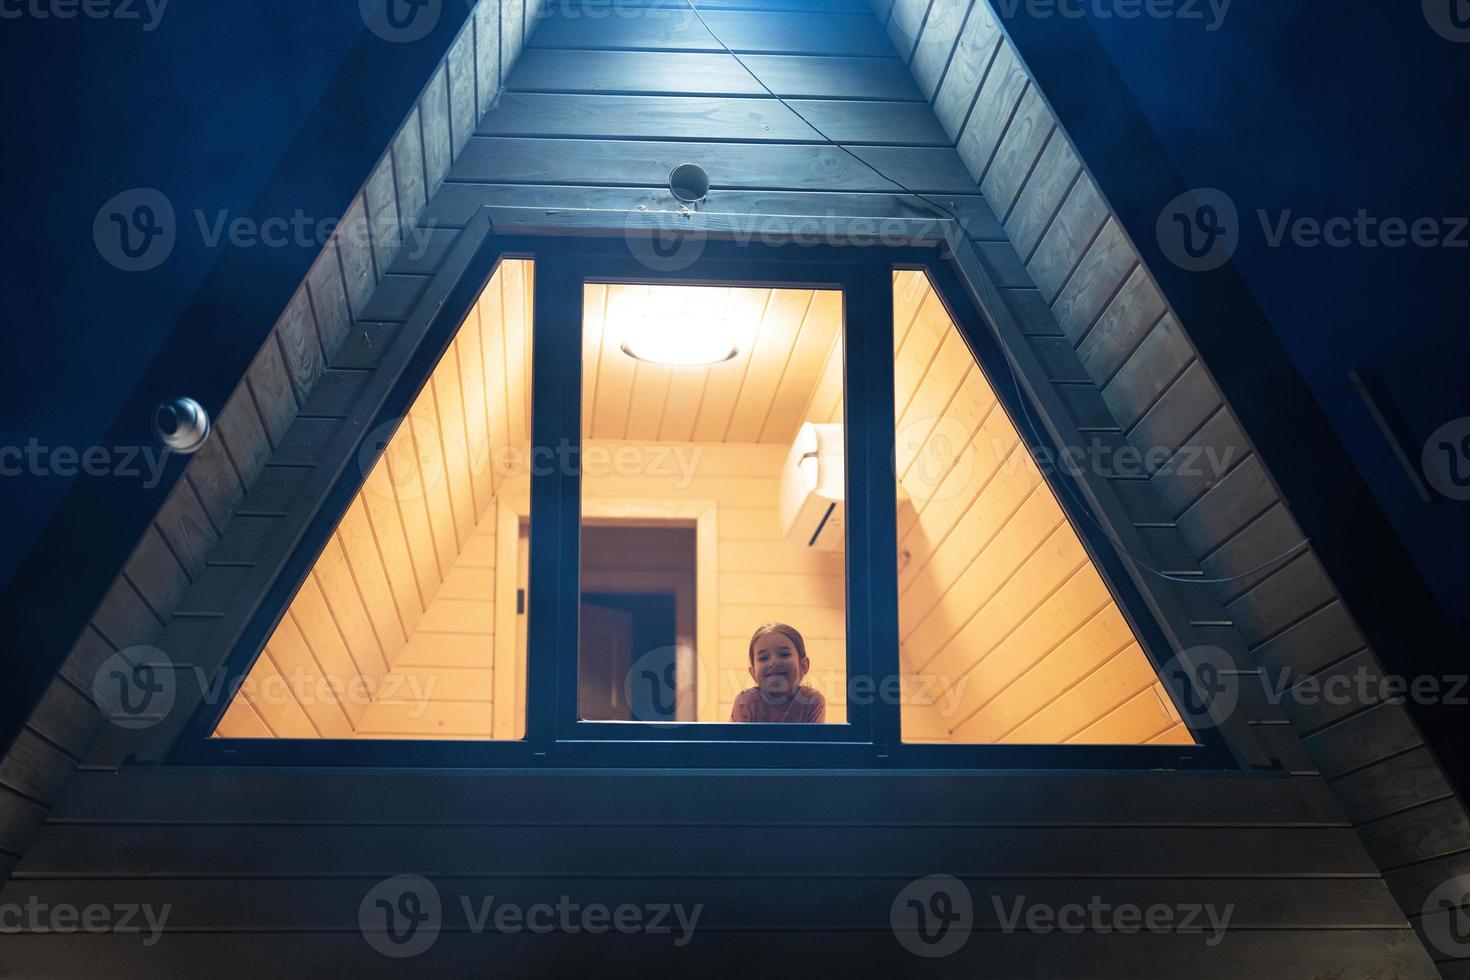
<point x="410" y="624"/>
<point x="712" y="489"/>
<point x="1008" y="634"/>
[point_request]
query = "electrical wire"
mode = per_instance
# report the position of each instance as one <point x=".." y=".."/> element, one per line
<point x="1021" y="398"/>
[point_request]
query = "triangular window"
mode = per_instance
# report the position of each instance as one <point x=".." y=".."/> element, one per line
<point x="1008" y="634"/>
<point x="410" y="624"/>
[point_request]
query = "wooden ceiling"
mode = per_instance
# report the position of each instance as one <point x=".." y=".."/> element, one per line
<point x="785" y="338"/>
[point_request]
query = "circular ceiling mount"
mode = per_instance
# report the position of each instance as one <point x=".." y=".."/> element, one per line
<point x="689" y="183"/>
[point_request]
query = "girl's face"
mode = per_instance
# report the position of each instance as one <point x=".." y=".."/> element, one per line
<point x="776" y="668"/>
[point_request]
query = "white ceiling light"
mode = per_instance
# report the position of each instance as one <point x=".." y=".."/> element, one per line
<point x="679" y="341"/>
<point x="682" y="327"/>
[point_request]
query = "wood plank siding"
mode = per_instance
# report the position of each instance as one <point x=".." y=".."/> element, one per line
<point x="1136" y="357"/>
<point x="268" y="869"/>
<point x="279" y="863"/>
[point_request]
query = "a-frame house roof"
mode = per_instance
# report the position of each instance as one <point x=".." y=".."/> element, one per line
<point x="1344" y="807"/>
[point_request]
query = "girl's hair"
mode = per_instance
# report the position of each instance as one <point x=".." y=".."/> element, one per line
<point x="787" y="631"/>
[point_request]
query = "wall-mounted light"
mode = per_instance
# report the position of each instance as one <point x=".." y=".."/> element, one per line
<point x="182" y="425"/>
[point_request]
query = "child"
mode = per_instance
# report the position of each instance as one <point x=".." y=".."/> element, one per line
<point x="777" y="665"/>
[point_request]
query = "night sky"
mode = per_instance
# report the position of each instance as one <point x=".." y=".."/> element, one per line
<point x="200" y="107"/>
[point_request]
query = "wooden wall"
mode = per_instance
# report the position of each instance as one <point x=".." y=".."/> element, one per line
<point x="258" y="863"/>
<point x="438" y="683"/>
<point x="999" y="600"/>
<point x="1129" y="362"/>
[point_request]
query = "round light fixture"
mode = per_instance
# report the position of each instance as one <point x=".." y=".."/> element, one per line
<point x="680" y="341"/>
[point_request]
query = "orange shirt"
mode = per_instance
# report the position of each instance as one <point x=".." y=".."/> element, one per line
<point x="808" y="705"/>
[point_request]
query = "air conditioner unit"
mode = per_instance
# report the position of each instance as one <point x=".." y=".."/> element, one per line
<point x="813" y="485"/>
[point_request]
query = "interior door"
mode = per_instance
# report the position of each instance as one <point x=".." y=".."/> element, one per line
<point x="606" y="658"/>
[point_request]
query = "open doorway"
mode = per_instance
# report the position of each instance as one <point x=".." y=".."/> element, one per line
<point x="637" y="614"/>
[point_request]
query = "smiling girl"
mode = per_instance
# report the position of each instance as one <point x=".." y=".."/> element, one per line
<point x="778" y="663"/>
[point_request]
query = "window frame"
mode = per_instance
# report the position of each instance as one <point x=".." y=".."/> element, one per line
<point x="564" y="259"/>
<point x="560" y="284"/>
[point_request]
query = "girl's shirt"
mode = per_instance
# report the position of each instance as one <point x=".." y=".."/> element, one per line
<point x="807" y="705"/>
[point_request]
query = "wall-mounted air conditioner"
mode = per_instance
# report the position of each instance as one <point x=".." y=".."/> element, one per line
<point x="813" y="486"/>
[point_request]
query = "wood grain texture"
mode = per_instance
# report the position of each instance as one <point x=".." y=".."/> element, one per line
<point x="995" y="104"/>
<point x="1294" y="952"/>
<point x="979" y="44"/>
<point x="936" y="44"/>
<point x="779" y="32"/>
<point x="771" y="211"/>
<point x="702" y="73"/>
<point x="1025" y="136"/>
<point x="130" y="851"/>
<point x="735" y="166"/>
<point x="905" y="22"/>
<point x="1042" y="194"/>
<point x="711" y="118"/>
<point x="1077" y="223"/>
